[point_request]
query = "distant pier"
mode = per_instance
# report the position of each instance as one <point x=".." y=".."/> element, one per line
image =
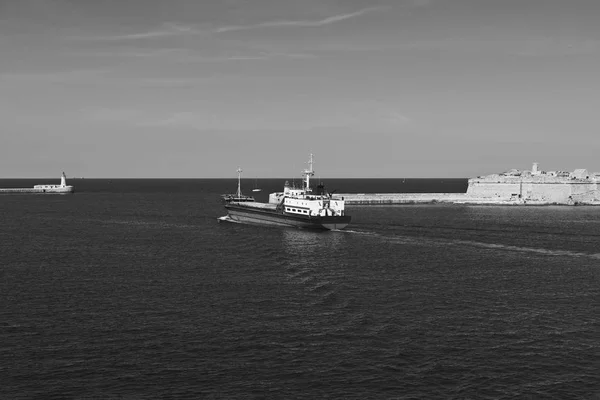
<point x="402" y="198"/>
<point x="450" y="198"/>
<point x="61" y="188"/>
<point x="27" y="190"/>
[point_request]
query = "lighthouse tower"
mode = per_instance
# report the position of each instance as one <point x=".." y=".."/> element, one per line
<point x="63" y="180"/>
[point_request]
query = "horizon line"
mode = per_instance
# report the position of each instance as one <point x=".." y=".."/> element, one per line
<point x="235" y="178"/>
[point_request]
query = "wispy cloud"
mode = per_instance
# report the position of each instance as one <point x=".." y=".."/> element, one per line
<point x="126" y="52"/>
<point x="113" y="115"/>
<point x="365" y="114"/>
<point x="183" y="119"/>
<point x="180" y="55"/>
<point x="164" y="82"/>
<point x="167" y="29"/>
<point x="55" y="77"/>
<point x="299" y="23"/>
<point x="262" y="56"/>
<point x="547" y="46"/>
<point x="520" y="46"/>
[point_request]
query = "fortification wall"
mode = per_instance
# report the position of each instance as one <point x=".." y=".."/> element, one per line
<point x="585" y="193"/>
<point x="493" y="190"/>
<point x="546" y="192"/>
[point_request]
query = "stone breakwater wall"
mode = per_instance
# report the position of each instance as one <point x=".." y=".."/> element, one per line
<point x="19" y="190"/>
<point x="460" y="198"/>
<point x="33" y="191"/>
<point x="402" y="198"/>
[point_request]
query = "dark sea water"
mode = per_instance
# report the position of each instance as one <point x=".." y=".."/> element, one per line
<point x="131" y="289"/>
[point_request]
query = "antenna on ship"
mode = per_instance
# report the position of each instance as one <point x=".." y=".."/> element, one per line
<point x="308" y="173"/>
<point x="239" y="189"/>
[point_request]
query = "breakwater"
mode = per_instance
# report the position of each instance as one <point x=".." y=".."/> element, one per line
<point x="34" y="191"/>
<point x="401" y="198"/>
<point x="63" y="188"/>
<point x="449" y="198"/>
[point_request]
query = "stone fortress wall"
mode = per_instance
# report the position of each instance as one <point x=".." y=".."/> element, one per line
<point x="535" y="186"/>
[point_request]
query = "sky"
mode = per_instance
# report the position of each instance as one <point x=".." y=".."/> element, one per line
<point x="373" y="88"/>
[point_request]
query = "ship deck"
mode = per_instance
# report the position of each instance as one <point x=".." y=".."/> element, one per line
<point x="262" y="206"/>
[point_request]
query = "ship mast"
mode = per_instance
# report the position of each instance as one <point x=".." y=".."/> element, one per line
<point x="308" y="173"/>
<point x="239" y="189"/>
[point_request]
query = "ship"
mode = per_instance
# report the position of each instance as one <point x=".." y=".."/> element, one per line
<point x="62" y="188"/>
<point x="238" y="196"/>
<point x="300" y="207"/>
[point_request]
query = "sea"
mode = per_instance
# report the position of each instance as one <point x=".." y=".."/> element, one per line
<point x="133" y="289"/>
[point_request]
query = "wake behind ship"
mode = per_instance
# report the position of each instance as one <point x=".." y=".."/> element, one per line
<point x="296" y="207"/>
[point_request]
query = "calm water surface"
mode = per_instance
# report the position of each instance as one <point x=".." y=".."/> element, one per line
<point x="131" y="289"/>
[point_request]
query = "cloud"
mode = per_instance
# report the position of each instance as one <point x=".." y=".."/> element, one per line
<point x="177" y="119"/>
<point x="55" y="77"/>
<point x="262" y="56"/>
<point x="126" y="52"/>
<point x="421" y="3"/>
<point x="168" y="29"/>
<point x="300" y="23"/>
<point x="164" y="82"/>
<point x="207" y="121"/>
<point x="180" y="55"/>
<point x="363" y="114"/>
<point x="358" y="116"/>
<point x="145" y="118"/>
<point x="547" y="46"/>
<point x="113" y="115"/>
